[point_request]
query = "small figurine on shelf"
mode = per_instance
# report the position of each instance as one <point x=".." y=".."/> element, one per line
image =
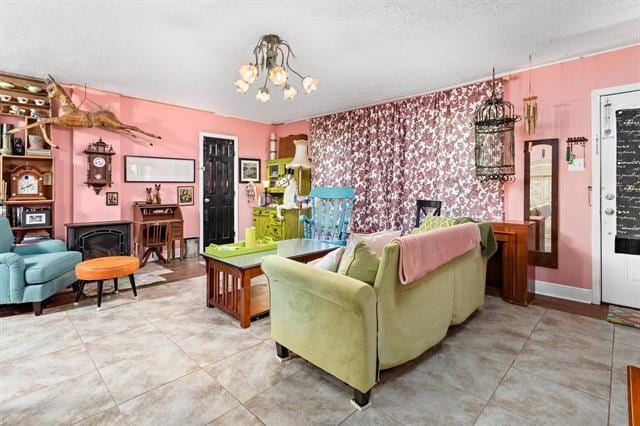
<point x="158" y="199"/>
<point x="18" y="146"/>
<point x="149" y="195"/>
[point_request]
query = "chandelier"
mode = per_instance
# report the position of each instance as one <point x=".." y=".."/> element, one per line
<point x="494" y="148"/>
<point x="272" y="57"/>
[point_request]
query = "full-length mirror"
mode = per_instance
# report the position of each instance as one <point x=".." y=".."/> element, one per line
<point x="541" y="198"/>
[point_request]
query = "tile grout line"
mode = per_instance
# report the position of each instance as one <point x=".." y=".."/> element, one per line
<point x="97" y="371"/>
<point x="509" y="369"/>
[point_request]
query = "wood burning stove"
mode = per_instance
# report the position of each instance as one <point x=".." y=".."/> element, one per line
<point x="100" y="239"/>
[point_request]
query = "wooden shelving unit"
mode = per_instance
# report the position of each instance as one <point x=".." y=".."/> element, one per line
<point x="44" y="163"/>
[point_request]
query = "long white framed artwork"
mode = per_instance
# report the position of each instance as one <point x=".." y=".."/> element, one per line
<point x="159" y="169"/>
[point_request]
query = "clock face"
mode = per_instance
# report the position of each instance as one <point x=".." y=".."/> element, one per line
<point x="28" y="185"/>
<point x="99" y="162"/>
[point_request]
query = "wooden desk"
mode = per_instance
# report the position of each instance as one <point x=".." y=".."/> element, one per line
<point x="633" y="382"/>
<point x="511" y="269"/>
<point x="229" y="279"/>
<point x="144" y="213"/>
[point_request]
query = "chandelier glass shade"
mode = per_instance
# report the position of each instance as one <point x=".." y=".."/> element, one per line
<point x="272" y="56"/>
<point x="495" y="139"/>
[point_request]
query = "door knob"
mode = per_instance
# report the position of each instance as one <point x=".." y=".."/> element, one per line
<point x="206" y="200"/>
<point x="609" y="211"/>
<point x="609" y="196"/>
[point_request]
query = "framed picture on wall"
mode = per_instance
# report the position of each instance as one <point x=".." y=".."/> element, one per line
<point x="159" y="169"/>
<point x="112" y="198"/>
<point x="185" y="195"/>
<point x="249" y="170"/>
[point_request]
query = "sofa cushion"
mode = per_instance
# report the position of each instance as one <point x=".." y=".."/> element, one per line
<point x="375" y="241"/>
<point x="361" y="263"/>
<point x="40" y="268"/>
<point x="429" y="223"/>
<point x="330" y="261"/>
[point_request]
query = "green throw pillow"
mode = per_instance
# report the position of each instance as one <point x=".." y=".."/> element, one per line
<point x="429" y="223"/>
<point x="361" y="263"/>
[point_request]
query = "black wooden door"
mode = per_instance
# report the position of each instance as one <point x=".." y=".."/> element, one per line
<point x="218" y="191"/>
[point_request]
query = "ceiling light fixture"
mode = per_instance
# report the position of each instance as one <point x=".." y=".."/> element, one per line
<point x="272" y="55"/>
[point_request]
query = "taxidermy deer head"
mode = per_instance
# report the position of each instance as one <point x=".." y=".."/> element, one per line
<point x="70" y="115"/>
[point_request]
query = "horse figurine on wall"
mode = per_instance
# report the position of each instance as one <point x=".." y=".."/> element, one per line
<point x="70" y="115"/>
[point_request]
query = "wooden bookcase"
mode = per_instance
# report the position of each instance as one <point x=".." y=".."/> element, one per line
<point x="43" y="162"/>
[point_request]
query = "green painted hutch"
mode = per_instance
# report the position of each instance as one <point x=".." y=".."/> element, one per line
<point x="265" y="219"/>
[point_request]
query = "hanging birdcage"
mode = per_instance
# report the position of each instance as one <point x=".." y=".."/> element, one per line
<point x="495" y="140"/>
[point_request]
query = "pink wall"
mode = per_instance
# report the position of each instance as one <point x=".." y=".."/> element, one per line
<point x="564" y="102"/>
<point x="179" y="128"/>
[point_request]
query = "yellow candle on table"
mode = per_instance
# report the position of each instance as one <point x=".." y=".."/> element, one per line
<point x="250" y="237"/>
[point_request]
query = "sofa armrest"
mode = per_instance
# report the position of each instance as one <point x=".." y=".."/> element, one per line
<point x="11" y="278"/>
<point x="48" y="246"/>
<point x="326" y="318"/>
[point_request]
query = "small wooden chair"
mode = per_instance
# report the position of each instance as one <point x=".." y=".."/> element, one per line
<point x="154" y="238"/>
<point x="423" y="205"/>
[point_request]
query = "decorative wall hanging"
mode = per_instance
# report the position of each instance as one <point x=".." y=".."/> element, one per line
<point x="576" y="164"/>
<point x="159" y="169"/>
<point x="530" y="108"/>
<point x="185" y="195"/>
<point x="249" y="170"/>
<point x="494" y="148"/>
<point x="272" y="57"/>
<point x="99" y="165"/>
<point x="112" y="198"/>
<point x="250" y="191"/>
<point x="70" y="115"/>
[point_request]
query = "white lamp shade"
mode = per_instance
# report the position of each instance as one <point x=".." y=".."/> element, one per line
<point x="301" y="157"/>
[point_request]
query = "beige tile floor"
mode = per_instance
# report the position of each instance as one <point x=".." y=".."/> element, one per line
<point x="164" y="359"/>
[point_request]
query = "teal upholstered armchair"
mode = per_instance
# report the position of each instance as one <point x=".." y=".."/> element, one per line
<point x="330" y="214"/>
<point x="32" y="273"/>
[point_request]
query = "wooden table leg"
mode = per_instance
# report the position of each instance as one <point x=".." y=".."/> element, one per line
<point x="245" y="307"/>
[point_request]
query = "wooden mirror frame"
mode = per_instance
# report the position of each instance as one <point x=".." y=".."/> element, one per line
<point x="544" y="259"/>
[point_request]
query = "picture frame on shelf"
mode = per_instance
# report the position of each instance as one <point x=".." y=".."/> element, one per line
<point x="249" y="170"/>
<point x="35" y="218"/>
<point x="185" y="195"/>
<point x="112" y="198"/>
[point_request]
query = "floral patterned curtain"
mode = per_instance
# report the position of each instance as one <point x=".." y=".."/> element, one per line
<point x="395" y="153"/>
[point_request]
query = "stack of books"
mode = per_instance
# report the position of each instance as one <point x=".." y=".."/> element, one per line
<point x="43" y="152"/>
<point x="35" y="236"/>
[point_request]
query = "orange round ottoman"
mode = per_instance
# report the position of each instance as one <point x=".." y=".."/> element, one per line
<point x="106" y="268"/>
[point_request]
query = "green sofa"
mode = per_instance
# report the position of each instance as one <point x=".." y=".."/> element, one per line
<point x="352" y="330"/>
<point x="32" y="273"/>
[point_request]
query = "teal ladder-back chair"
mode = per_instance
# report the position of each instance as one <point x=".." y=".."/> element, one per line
<point x="330" y="214"/>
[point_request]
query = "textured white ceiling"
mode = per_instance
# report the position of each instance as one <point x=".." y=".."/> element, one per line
<point x="363" y="52"/>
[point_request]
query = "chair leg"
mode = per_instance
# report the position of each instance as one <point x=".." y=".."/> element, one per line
<point x="132" y="281"/>
<point x="115" y="285"/>
<point x="99" y="293"/>
<point x="37" y="308"/>
<point x="282" y="351"/>
<point x="360" y="398"/>
<point x="161" y="258"/>
<point x="79" y="290"/>
<point x="145" y="257"/>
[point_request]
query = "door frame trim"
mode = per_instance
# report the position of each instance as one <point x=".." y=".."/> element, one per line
<point x="201" y="182"/>
<point x="596" y="183"/>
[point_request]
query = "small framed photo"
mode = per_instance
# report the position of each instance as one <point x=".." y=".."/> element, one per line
<point x="185" y="195"/>
<point x="249" y="170"/>
<point x="112" y="198"/>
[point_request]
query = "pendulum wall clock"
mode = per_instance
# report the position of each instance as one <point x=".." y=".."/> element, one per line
<point x="99" y="165"/>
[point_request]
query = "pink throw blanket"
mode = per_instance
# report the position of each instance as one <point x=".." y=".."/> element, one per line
<point x="427" y="251"/>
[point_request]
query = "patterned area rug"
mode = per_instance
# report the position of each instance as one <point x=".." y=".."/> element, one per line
<point x="624" y="316"/>
<point x="151" y="273"/>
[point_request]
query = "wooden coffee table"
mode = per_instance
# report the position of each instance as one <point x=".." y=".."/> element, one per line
<point x="229" y="279"/>
<point x="106" y="268"/>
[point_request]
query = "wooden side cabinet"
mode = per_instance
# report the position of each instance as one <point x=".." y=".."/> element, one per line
<point x="511" y="271"/>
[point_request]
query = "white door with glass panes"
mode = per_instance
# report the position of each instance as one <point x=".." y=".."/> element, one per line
<point x="619" y="142"/>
